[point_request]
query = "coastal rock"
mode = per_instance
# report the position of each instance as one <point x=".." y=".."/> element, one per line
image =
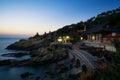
<point x="20" y="54"/>
<point x="40" y="52"/>
<point x="29" y="45"/>
<point x="61" y="68"/>
<point x="5" y="62"/>
<point x="38" y="78"/>
<point x="35" y="61"/>
<point x="46" y="55"/>
<point x="12" y="62"/>
<point x="26" y="75"/>
<point x="50" y="74"/>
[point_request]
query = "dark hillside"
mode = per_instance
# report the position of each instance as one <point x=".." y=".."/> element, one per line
<point x="112" y="18"/>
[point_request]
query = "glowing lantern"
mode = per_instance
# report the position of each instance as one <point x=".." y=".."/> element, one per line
<point x="59" y="40"/>
<point x="67" y="37"/>
<point x="93" y="37"/>
<point x="81" y="38"/>
<point x="60" y="37"/>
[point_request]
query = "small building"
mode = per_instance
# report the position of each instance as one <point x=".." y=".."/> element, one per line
<point x="63" y="38"/>
<point x="68" y="38"/>
<point x="102" y="34"/>
<point x="110" y="37"/>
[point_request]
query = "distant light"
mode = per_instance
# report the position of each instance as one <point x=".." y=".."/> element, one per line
<point x="64" y="37"/>
<point x="67" y="37"/>
<point x="60" y="37"/>
<point x="103" y="47"/>
<point x="59" y="40"/>
<point x="113" y="34"/>
<point x="81" y="38"/>
<point x="93" y="37"/>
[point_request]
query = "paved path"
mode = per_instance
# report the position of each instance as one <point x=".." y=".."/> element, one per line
<point x="84" y="57"/>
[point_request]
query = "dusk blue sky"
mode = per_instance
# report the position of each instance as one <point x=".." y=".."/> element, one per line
<point x="31" y="16"/>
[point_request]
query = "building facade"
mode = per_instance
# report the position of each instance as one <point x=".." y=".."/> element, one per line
<point x="103" y="34"/>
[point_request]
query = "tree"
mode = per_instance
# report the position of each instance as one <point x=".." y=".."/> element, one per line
<point x="117" y="46"/>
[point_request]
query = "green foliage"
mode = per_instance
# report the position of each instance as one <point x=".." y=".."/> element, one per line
<point x="116" y="55"/>
<point x="113" y="74"/>
<point x="117" y="46"/>
<point x="73" y="41"/>
<point x="109" y="73"/>
<point x="112" y="71"/>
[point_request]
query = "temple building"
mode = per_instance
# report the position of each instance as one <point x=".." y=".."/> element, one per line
<point x="102" y="34"/>
<point x="110" y="37"/>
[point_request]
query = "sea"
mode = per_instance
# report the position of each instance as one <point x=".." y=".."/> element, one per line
<point x="13" y="73"/>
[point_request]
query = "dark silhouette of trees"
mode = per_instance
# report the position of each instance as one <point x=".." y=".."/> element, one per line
<point x="112" y="18"/>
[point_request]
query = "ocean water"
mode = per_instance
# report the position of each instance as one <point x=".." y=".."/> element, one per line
<point x="13" y="73"/>
<point x="4" y="42"/>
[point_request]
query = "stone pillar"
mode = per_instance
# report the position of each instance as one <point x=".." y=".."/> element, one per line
<point x="88" y="37"/>
<point x="100" y="37"/>
<point x="97" y="37"/>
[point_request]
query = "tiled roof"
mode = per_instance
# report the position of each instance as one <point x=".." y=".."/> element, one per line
<point x="111" y="35"/>
<point x="102" y="27"/>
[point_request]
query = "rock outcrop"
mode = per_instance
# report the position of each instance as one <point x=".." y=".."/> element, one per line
<point x="43" y="55"/>
<point x="5" y="62"/>
<point x="12" y="62"/>
<point x="28" y="45"/>
<point x="47" y="55"/>
<point x="42" y="50"/>
<point x="20" y="54"/>
<point x="32" y="43"/>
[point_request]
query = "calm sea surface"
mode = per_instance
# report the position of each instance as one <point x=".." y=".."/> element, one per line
<point x="4" y="42"/>
<point x="13" y="73"/>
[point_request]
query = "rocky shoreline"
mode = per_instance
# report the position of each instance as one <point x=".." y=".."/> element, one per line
<point x="44" y="55"/>
<point x="20" y="54"/>
<point x="42" y="51"/>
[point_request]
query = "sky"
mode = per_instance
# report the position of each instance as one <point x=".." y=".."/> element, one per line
<point x="26" y="17"/>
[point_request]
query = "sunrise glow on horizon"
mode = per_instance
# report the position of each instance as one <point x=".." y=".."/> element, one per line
<point x="25" y="17"/>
